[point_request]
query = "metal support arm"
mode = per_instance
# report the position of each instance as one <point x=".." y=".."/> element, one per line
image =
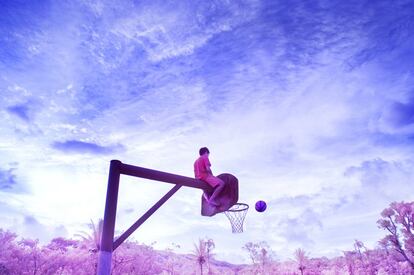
<point x="116" y="169"/>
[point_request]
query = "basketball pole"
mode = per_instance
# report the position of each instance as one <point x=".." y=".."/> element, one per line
<point x="107" y="245"/>
<point x="106" y="248"/>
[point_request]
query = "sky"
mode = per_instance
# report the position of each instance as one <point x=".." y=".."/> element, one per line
<point x="309" y="104"/>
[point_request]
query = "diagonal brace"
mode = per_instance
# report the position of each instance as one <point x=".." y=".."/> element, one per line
<point x="144" y="217"/>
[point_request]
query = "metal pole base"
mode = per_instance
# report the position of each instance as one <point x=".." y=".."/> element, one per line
<point x="104" y="266"/>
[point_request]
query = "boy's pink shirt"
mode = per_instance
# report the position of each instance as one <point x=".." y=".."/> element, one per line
<point x="200" y="167"/>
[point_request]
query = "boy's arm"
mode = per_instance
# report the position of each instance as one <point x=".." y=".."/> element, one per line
<point x="207" y="165"/>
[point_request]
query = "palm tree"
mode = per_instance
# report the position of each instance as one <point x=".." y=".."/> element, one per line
<point x="300" y="256"/>
<point x="200" y="252"/>
<point x="209" y="246"/>
<point x="94" y="237"/>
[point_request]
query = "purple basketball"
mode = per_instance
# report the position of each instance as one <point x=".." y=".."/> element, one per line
<point x="260" y="206"/>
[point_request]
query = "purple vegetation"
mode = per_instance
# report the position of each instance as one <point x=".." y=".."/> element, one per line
<point x="393" y="255"/>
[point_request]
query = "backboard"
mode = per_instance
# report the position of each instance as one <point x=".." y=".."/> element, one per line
<point x="227" y="198"/>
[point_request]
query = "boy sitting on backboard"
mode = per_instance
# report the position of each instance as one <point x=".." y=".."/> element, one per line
<point x="203" y="172"/>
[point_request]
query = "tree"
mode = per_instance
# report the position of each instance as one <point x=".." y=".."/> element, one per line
<point x="301" y="259"/>
<point x="209" y="247"/>
<point x="93" y="239"/>
<point x="32" y="256"/>
<point x="8" y="252"/>
<point x="364" y="258"/>
<point x="398" y="220"/>
<point x="260" y="254"/>
<point x="200" y="252"/>
<point x="170" y="263"/>
<point x="203" y="253"/>
<point x="134" y="258"/>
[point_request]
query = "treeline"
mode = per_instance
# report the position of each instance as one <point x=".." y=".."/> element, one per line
<point x="393" y="255"/>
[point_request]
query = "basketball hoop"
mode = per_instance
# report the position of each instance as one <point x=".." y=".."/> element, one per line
<point x="236" y="215"/>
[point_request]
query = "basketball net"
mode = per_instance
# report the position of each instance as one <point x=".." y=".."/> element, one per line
<point x="236" y="215"/>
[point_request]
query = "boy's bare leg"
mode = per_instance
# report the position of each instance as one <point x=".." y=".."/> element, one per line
<point x="205" y="195"/>
<point x="217" y="191"/>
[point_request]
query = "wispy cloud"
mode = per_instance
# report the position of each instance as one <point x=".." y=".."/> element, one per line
<point x="159" y="29"/>
<point x="76" y="146"/>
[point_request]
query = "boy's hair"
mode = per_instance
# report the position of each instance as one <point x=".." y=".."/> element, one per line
<point x="203" y="150"/>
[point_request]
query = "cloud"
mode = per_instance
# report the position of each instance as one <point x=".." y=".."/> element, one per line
<point x="297" y="218"/>
<point x="166" y="31"/>
<point x="22" y="111"/>
<point x="17" y="217"/>
<point x="7" y="179"/>
<point x="378" y="38"/>
<point x="31" y="227"/>
<point x="75" y="146"/>
<point x="398" y="117"/>
<point x="30" y="221"/>
<point x="386" y="181"/>
<point x="287" y="95"/>
<point x="300" y="229"/>
<point x="403" y="113"/>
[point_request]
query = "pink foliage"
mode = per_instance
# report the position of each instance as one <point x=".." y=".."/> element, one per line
<point x="394" y="255"/>
<point x="398" y="220"/>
